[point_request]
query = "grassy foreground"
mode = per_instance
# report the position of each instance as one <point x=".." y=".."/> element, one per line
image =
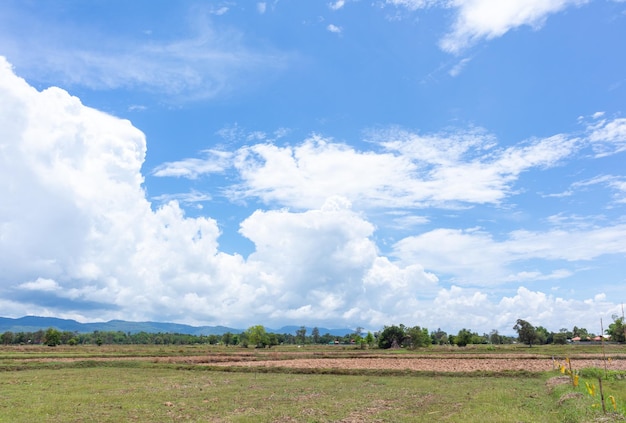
<point x="109" y="394"/>
<point x="88" y="390"/>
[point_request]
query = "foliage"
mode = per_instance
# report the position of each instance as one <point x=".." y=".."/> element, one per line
<point x="257" y="336"/>
<point x="52" y="338"/>
<point x="315" y="335"/>
<point x="439" y="337"/>
<point x="617" y="329"/>
<point x="391" y="337"/>
<point x="301" y="335"/>
<point x="418" y="337"/>
<point x="464" y="337"/>
<point x="526" y="332"/>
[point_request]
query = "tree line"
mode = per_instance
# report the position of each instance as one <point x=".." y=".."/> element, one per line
<point x="395" y="336"/>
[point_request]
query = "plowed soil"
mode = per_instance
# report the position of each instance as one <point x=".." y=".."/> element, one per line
<point x="450" y="362"/>
<point x="447" y="364"/>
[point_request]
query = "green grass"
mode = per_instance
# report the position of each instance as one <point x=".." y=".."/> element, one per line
<point x="148" y="390"/>
<point x="153" y="394"/>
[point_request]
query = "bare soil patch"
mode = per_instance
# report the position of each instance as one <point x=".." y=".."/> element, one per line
<point x="450" y="364"/>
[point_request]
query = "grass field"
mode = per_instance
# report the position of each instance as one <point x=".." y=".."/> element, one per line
<point x="159" y="384"/>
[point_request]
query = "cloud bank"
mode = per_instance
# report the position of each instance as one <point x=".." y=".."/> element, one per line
<point x="79" y="238"/>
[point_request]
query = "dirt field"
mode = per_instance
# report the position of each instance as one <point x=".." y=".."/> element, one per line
<point x="448" y="364"/>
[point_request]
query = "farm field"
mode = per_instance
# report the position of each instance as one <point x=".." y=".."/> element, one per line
<point x="310" y="384"/>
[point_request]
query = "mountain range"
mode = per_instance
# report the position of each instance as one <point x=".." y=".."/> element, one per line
<point x="35" y="323"/>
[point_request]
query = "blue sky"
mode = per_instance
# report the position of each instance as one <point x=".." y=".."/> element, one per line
<point x="453" y="164"/>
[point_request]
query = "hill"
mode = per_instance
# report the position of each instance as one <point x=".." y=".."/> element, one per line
<point x="35" y="323"/>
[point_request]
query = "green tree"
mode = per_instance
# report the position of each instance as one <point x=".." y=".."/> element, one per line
<point x="301" y="335"/>
<point x="559" y="338"/>
<point x="369" y="339"/>
<point x="526" y="332"/>
<point x="418" y="337"/>
<point x="315" y="335"/>
<point x="582" y="333"/>
<point x="391" y="337"/>
<point x="464" y="337"/>
<point x="439" y="337"/>
<point x="52" y="337"/>
<point x="257" y="336"/>
<point x="543" y="336"/>
<point x="7" y="337"/>
<point x="495" y="337"/>
<point x="227" y="339"/>
<point x="617" y="329"/>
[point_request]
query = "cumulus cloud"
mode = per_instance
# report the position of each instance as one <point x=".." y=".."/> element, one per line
<point x="477" y="20"/>
<point x="473" y="256"/>
<point x="480" y="310"/>
<point x="79" y="239"/>
<point x="409" y="170"/>
<point x="488" y="19"/>
<point x="78" y="220"/>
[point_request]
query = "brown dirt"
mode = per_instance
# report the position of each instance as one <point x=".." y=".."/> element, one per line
<point x="449" y="364"/>
<point x="435" y="363"/>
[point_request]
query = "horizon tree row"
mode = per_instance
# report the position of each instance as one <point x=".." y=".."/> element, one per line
<point x="256" y="336"/>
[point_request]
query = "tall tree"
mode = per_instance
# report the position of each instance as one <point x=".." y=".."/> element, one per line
<point x="52" y="337"/>
<point x="391" y="337"/>
<point x="301" y="335"/>
<point x="257" y="336"/>
<point x="494" y="337"/>
<point x="315" y="335"/>
<point x="464" y="337"/>
<point x="617" y="329"/>
<point x="525" y="332"/>
<point x="419" y="337"/>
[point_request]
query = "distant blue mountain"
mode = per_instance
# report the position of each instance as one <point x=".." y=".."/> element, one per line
<point x="35" y="323"/>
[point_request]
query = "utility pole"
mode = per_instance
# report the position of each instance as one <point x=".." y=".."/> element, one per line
<point x="623" y="325"/>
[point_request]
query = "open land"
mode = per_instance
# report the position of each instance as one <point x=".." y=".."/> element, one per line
<point x="308" y="384"/>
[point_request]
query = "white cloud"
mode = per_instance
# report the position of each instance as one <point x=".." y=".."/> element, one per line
<point x="473" y="256"/>
<point x="191" y="168"/>
<point x="337" y="5"/>
<point x="261" y="7"/>
<point x="616" y="183"/>
<point x="608" y="137"/>
<point x="478" y="20"/>
<point x="41" y="284"/>
<point x="334" y="28"/>
<point x="481" y="311"/>
<point x="415" y="4"/>
<point x="192" y="197"/>
<point x="488" y="19"/>
<point x="410" y="171"/>
<point x="78" y="214"/>
<point x="80" y="240"/>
